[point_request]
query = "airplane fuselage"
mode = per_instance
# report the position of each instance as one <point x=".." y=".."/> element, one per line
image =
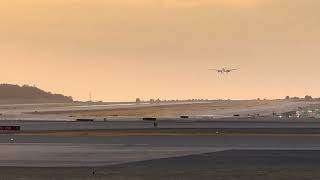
<point x="224" y="70"/>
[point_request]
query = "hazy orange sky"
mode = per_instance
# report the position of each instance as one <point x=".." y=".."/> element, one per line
<point x="123" y="49"/>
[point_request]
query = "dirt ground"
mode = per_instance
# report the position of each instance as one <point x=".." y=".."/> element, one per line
<point x="174" y="110"/>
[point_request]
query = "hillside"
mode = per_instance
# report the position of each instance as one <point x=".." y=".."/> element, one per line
<point x="29" y="94"/>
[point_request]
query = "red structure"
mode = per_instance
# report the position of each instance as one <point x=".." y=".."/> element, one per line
<point x="9" y="128"/>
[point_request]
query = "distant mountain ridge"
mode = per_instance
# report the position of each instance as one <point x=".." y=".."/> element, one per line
<point x="29" y="94"/>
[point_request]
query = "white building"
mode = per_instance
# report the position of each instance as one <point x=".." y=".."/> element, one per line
<point x="309" y="114"/>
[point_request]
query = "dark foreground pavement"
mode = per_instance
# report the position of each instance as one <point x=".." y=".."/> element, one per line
<point x="233" y="164"/>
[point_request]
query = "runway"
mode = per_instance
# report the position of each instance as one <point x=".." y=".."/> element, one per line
<point x="84" y="151"/>
<point x="34" y="146"/>
<point x="166" y="124"/>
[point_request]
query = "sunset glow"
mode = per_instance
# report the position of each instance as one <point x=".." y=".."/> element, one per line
<point x="123" y="49"/>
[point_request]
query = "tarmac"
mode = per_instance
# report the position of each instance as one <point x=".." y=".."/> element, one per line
<point x="224" y="165"/>
<point x="228" y="123"/>
<point x="95" y="151"/>
<point x="229" y="148"/>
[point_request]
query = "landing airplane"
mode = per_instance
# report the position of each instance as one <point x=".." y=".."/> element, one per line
<point x="223" y="70"/>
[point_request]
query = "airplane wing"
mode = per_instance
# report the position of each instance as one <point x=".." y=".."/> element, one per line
<point x="232" y="69"/>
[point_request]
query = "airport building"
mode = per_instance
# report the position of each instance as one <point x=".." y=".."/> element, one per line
<point x="308" y="113"/>
<point x="290" y="114"/>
